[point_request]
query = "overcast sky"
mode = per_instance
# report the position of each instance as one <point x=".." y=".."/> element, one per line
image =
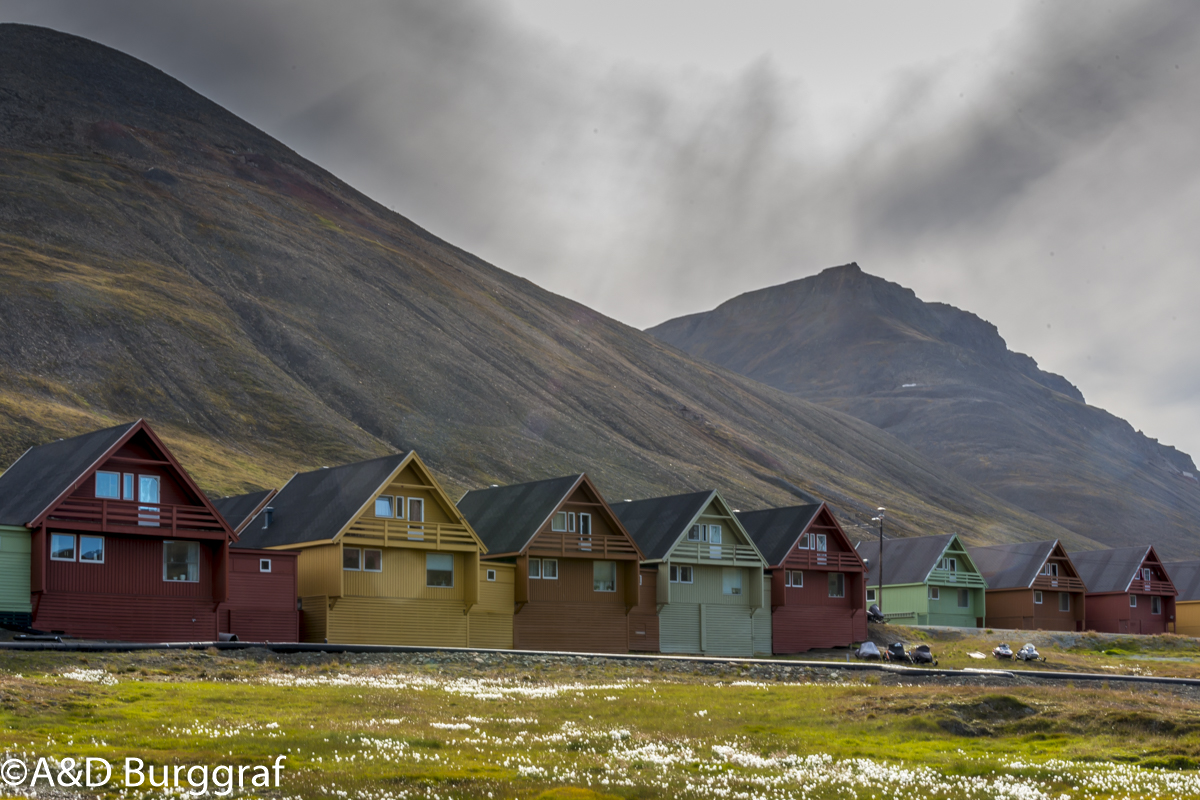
<point x="1035" y="163"/>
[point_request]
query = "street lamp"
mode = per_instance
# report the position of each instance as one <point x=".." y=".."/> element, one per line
<point x="879" y="592"/>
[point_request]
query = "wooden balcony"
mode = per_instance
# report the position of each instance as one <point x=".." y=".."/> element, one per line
<point x="1153" y="587"/>
<point x="966" y="580"/>
<point x="1063" y="583"/>
<point x="416" y="535"/>
<point x="572" y="545"/>
<point x="102" y="515"/>
<point x="739" y="555"/>
<point x="819" y="560"/>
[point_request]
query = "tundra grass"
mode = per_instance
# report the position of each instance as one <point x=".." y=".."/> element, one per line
<point x="379" y="730"/>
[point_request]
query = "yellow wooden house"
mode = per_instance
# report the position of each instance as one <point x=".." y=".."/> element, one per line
<point x="385" y="557"/>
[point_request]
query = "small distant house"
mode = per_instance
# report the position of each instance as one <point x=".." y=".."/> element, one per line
<point x="120" y="543"/>
<point x="1031" y="586"/>
<point x="1185" y="577"/>
<point x="384" y="557"/>
<point x="575" y="567"/>
<point x="710" y="596"/>
<point x="927" y="580"/>
<point x="818" y="580"/>
<point x="1128" y="590"/>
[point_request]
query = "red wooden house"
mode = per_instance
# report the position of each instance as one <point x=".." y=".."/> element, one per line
<point x="817" y="590"/>
<point x="125" y="546"/>
<point x="1128" y="590"/>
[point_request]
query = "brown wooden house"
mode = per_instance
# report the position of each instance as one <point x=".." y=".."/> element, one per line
<point x="1128" y="590"/>
<point x="1031" y="586"/>
<point x="818" y="594"/>
<point x="576" y="566"/>
<point x="123" y="544"/>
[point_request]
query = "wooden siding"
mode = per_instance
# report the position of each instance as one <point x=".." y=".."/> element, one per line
<point x="380" y="620"/>
<point x="578" y="627"/>
<point x="14" y="570"/>
<point x="261" y="605"/>
<point x="403" y="577"/>
<point x="1014" y="608"/>
<point x="1111" y="613"/>
<point x="132" y="565"/>
<point x="441" y="528"/>
<point x="314" y="616"/>
<point x="575" y="585"/>
<point x="127" y="618"/>
<point x="679" y="628"/>
<point x="320" y="571"/>
<point x="809" y="618"/>
<point x="643" y="620"/>
<point x="946" y="611"/>
<point x="1187" y="618"/>
<point x="763" y="623"/>
<point x="606" y="543"/>
<point x="704" y="598"/>
<point x="496" y="596"/>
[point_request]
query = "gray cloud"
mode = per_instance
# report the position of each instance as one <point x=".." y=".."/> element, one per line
<point x="1058" y="191"/>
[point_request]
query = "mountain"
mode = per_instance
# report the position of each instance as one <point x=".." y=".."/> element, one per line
<point x="943" y="381"/>
<point x="161" y="258"/>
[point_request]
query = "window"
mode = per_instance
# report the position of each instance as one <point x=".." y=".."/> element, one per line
<point x="62" y="547"/>
<point x="698" y="533"/>
<point x="439" y="569"/>
<point x="416" y="509"/>
<point x="91" y="549"/>
<point x="821" y="539"/>
<point x="127" y="486"/>
<point x="837" y="584"/>
<point x="585" y="531"/>
<point x="731" y="580"/>
<point x="108" y="484"/>
<point x="681" y="574"/>
<point x="559" y="523"/>
<point x="1037" y="597"/>
<point x="794" y="578"/>
<point x="264" y="565"/>
<point x="935" y="593"/>
<point x="949" y="564"/>
<point x="1155" y="605"/>
<point x="1064" y="601"/>
<point x="964" y="598"/>
<point x="535" y="568"/>
<point x="714" y="539"/>
<point x="372" y="560"/>
<point x="351" y="558"/>
<point x="148" y="493"/>
<point x="604" y="576"/>
<point x="870" y="595"/>
<point x="549" y="569"/>
<point x="384" y="507"/>
<point x="571" y="521"/>
<point x="1133" y="601"/>
<point x="181" y="561"/>
<point x="491" y="574"/>
<point x="803" y="543"/>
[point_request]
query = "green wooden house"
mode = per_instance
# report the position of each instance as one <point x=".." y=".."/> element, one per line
<point x="15" y="606"/>
<point x="927" y="580"/>
<point x="710" y="595"/>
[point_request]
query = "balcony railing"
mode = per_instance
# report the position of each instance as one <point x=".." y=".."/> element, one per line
<point x="964" y="579"/>
<point x="704" y="553"/>
<point x="556" y="543"/>
<point x="104" y="516"/>
<point x="1063" y="583"/>
<point x="1153" y="587"/>
<point x="403" y="533"/>
<point x="818" y="559"/>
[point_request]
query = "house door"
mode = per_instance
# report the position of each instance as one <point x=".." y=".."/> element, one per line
<point x="148" y="493"/>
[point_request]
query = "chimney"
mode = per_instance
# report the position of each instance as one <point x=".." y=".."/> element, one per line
<point x="267" y="512"/>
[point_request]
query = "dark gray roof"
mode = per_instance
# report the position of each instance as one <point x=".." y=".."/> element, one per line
<point x="315" y="506"/>
<point x="37" y="478"/>
<point x="1186" y="577"/>
<point x="905" y="560"/>
<point x="507" y="517"/>
<point x="235" y="509"/>
<point x="1109" y="570"/>
<point x="657" y="523"/>
<point x="775" y="530"/>
<point x="1011" y="566"/>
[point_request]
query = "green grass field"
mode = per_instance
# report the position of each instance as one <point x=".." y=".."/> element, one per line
<point x="381" y="727"/>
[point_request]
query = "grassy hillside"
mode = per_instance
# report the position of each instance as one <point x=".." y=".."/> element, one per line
<point x="161" y="258"/>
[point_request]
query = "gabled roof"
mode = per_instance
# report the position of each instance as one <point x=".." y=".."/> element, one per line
<point x="905" y="560"/>
<point x="1109" y="570"/>
<point x="1186" y="577"/>
<point x="240" y="509"/>
<point x="658" y="523"/>
<point x="46" y="473"/>
<point x="315" y="506"/>
<point x="1012" y="566"/>
<point x="508" y="517"/>
<point x="777" y="530"/>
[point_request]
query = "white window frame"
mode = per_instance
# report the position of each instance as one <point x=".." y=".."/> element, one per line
<point x="1155" y="604"/>
<point x="79" y="548"/>
<point x="535" y="569"/>
<point x="870" y="595"/>
<point x="558" y="522"/>
<point x="264" y="565"/>
<point x="196" y="545"/>
<point x="491" y="574"/>
<point x="822" y="543"/>
<point x="1064" y="596"/>
<point x="74" y="547"/>
<point x="727" y="587"/>
<point x="964" y="598"/>
<point x="585" y="537"/>
<point x="1037" y="597"/>
<point x="803" y="543"/>
<point x="840" y="579"/>
<point x="614" y="576"/>
<point x="677" y="571"/>
<point x="419" y="503"/>
<point x="358" y="560"/>
<point x="698" y="533"/>
<point x="366" y="550"/>
<point x="935" y="593"/>
<point x="150" y="516"/>
<point x="549" y="562"/>
<point x="1133" y="601"/>
<point x="949" y="564"/>
<point x="128" y="486"/>
<point x="106" y="473"/>
<point x="453" y="577"/>
<point x="391" y="503"/>
<point x="791" y="576"/>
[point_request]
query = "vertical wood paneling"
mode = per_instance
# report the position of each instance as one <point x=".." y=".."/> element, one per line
<point x="314" y="616"/>
<point x="679" y="628"/>
<point x="418" y="622"/>
<point x="320" y="571"/>
<point x="14" y="570"/>
<point x="128" y="618"/>
<point x="728" y="631"/>
<point x="403" y="577"/>
<point x="1187" y="618"/>
<point x="762" y="621"/>
<point x="496" y="596"/>
<point x="643" y="620"/>
<point x="576" y="584"/>
<point x="132" y="565"/>
<point x="580" y="627"/>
